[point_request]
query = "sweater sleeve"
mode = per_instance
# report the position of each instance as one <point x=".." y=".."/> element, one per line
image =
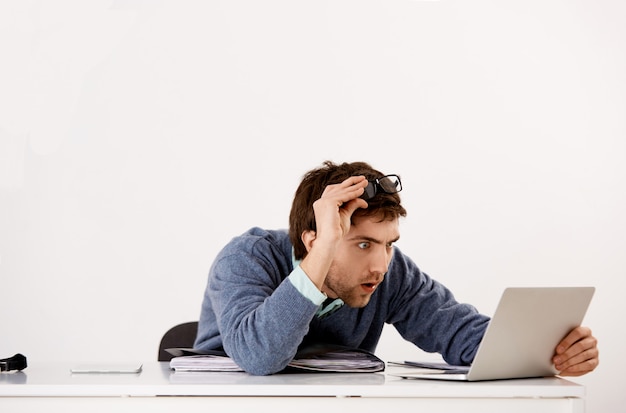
<point x="262" y="318"/>
<point x="427" y="314"/>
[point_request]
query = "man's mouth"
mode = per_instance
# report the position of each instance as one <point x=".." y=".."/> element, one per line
<point x="369" y="287"/>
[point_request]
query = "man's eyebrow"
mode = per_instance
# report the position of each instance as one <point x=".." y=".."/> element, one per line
<point x="372" y="240"/>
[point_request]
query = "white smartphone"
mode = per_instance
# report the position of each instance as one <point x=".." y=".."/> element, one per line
<point x="107" y="368"/>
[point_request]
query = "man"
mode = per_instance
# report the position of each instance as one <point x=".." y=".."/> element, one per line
<point x="337" y="278"/>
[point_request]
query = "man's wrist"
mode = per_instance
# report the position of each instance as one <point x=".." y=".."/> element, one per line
<point x="305" y="286"/>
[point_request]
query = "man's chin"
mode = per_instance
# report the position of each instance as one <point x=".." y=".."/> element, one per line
<point x="359" y="302"/>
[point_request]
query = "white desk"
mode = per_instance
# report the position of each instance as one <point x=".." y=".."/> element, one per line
<point x="51" y="385"/>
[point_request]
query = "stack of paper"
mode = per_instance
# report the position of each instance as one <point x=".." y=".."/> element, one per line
<point x="323" y="359"/>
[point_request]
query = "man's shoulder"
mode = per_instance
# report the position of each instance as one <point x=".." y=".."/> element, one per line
<point x="257" y="237"/>
<point x="263" y="232"/>
<point x="254" y="247"/>
<point x="258" y="233"/>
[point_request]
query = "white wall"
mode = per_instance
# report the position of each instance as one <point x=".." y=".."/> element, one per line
<point x="137" y="137"/>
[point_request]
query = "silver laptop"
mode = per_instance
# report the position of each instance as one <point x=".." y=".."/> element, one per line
<point x="522" y="335"/>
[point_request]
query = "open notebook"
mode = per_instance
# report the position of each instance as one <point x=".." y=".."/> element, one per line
<point x="521" y="337"/>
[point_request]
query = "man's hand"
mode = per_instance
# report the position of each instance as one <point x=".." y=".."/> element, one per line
<point x="338" y="202"/>
<point x="577" y="353"/>
<point x="333" y="212"/>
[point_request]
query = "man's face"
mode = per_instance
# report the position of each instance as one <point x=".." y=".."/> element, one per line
<point x="362" y="260"/>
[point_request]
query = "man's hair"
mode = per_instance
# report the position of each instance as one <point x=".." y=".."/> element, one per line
<point x="302" y="218"/>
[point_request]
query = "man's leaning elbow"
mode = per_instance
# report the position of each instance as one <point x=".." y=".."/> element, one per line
<point x="261" y="369"/>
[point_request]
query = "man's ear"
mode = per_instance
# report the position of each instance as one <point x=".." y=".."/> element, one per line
<point x="307" y="238"/>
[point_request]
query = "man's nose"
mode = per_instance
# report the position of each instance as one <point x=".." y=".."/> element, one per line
<point x="380" y="261"/>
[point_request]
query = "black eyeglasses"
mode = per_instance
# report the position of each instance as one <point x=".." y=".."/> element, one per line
<point x="389" y="184"/>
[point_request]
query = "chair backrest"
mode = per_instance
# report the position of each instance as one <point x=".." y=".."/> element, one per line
<point x="181" y="335"/>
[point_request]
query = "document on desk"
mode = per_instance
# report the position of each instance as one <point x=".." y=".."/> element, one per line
<point x="314" y="359"/>
<point x="431" y="365"/>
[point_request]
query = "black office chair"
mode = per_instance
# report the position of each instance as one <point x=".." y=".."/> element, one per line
<point x="181" y="335"/>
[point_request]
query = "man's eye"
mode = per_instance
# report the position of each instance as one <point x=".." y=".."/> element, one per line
<point x="364" y="245"/>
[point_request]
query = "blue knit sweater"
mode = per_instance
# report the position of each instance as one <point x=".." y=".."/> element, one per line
<point x="261" y="320"/>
